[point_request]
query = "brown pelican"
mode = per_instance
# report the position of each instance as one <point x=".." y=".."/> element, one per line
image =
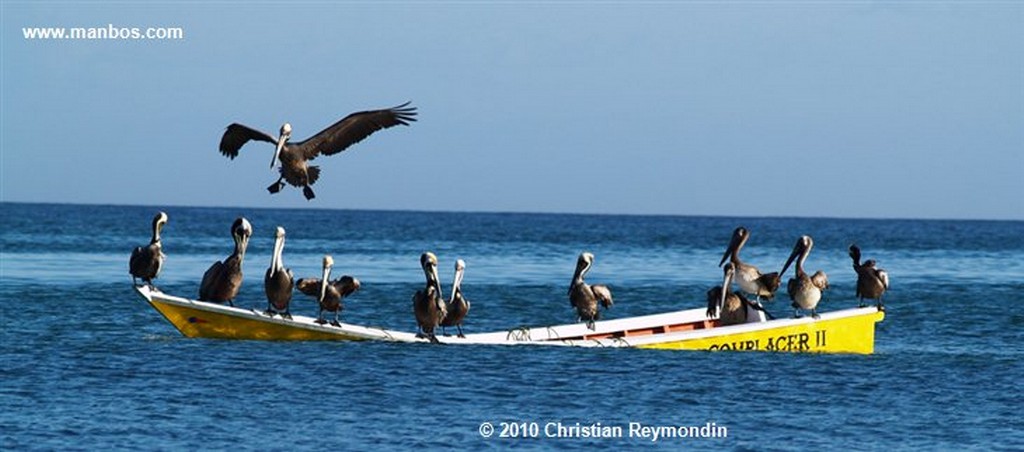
<point x="585" y="297"/>
<point x="428" y="303"/>
<point x="871" y="282"/>
<point x="804" y="290"/>
<point x="223" y="279"/>
<point x="332" y="140"/>
<point x="146" y="261"/>
<point x="733" y="305"/>
<point x="329" y="293"/>
<point x="458" y="306"/>
<point x="278" y="282"/>
<point x="748" y="277"/>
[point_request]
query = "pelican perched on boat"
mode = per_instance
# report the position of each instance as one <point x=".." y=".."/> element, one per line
<point x="294" y="157"/>
<point x="748" y="277"/>
<point x="329" y="294"/>
<point x="732" y="305"/>
<point x="428" y="303"/>
<point x="222" y="280"/>
<point x="585" y="297"/>
<point x="278" y="281"/>
<point x="872" y="282"/>
<point x="458" y="306"/>
<point x="146" y="261"/>
<point x="805" y="290"/>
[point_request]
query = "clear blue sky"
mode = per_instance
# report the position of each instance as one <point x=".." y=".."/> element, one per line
<point x="856" y="109"/>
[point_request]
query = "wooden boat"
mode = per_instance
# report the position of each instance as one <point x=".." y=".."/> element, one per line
<point x="844" y="331"/>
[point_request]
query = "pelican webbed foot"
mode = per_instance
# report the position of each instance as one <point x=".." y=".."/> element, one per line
<point x="286" y="315"/>
<point x="336" y="323"/>
<point x="308" y="193"/>
<point x="814" y="314"/>
<point x="275" y="187"/>
<point x="319" y="321"/>
<point x="460" y="332"/>
<point x="591" y="325"/>
<point x="268" y="313"/>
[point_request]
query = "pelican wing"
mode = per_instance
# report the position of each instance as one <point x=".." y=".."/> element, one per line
<point x="603" y="294"/>
<point x="210" y="280"/>
<point x="309" y="286"/>
<point x="237" y="135"/>
<point x="355" y="128"/>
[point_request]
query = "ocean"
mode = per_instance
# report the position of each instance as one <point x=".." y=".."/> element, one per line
<point x="87" y="364"/>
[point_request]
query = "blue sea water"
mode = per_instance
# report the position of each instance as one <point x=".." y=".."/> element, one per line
<point x="86" y="364"/>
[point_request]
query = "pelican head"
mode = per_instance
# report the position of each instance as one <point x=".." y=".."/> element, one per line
<point x="739" y="237"/>
<point x="802" y="248"/>
<point x="429" y="263"/>
<point x="328" y="263"/>
<point x="584" y="262"/>
<point x="286" y="133"/>
<point x="158" y="223"/>
<point x="241" y="230"/>
<point x="855" y="253"/>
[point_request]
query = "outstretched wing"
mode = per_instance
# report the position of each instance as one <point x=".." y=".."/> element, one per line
<point x="309" y="286"/>
<point x="237" y="135"/>
<point x="603" y="294"/>
<point x="354" y="128"/>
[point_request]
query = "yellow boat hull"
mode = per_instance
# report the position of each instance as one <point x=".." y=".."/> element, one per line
<point x="845" y="331"/>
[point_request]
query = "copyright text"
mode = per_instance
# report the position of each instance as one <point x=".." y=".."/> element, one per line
<point x="576" y="430"/>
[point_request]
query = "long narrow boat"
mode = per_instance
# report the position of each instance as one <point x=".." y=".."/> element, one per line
<point x="844" y="331"/>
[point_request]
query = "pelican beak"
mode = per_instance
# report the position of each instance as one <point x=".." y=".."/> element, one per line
<point x="436" y="280"/>
<point x="277" y="151"/>
<point x="275" y="260"/>
<point x="792" y="256"/>
<point x="726" y="281"/>
<point x="456" y="283"/>
<point x="323" y="283"/>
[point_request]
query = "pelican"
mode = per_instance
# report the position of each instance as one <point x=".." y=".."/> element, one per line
<point x="733" y="305"/>
<point x="458" y="306"/>
<point x="871" y="282"/>
<point x="748" y="277"/>
<point x="329" y="293"/>
<point x="804" y="290"/>
<point x="278" y="282"/>
<point x="585" y="297"/>
<point x="146" y="261"/>
<point x="332" y="140"/>
<point x="428" y="303"/>
<point x="223" y="279"/>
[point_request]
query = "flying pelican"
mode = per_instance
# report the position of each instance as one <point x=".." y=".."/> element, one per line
<point x="428" y="303"/>
<point x="585" y="297"/>
<point x="223" y="279"/>
<point x="329" y="293"/>
<point x="733" y="305"/>
<point x="278" y="282"/>
<point x="748" y="277"/>
<point x="804" y="290"/>
<point x="871" y="282"/>
<point x="458" y="306"/>
<point x="146" y="261"/>
<point x="332" y="140"/>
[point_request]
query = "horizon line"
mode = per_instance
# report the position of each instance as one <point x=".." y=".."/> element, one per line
<point x="513" y="212"/>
